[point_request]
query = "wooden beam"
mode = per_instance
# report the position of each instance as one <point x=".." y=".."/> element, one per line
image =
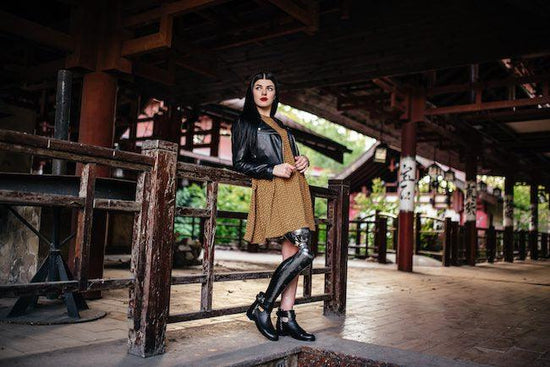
<point x="267" y="34"/>
<point x="151" y="42"/>
<point x="36" y="32"/>
<point x="154" y="73"/>
<point x="308" y="17"/>
<point x="483" y="106"/>
<point x="173" y="9"/>
<point x="506" y="82"/>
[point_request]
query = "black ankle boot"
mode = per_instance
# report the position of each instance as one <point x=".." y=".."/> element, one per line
<point x="291" y="327"/>
<point x="262" y="317"/>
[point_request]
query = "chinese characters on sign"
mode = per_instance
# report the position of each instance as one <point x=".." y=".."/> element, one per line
<point x="470" y="201"/>
<point x="407" y="181"/>
<point x="508" y="211"/>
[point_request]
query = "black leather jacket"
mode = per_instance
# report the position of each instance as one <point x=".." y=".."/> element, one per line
<point x="257" y="147"/>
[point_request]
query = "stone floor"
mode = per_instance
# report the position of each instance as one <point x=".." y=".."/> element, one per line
<point x="490" y="314"/>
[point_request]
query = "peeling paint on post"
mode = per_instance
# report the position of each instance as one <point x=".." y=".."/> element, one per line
<point x="337" y="248"/>
<point x="152" y="251"/>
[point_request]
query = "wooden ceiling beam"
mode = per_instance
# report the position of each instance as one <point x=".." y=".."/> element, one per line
<point x="154" y="73"/>
<point x="161" y="39"/>
<point x="307" y="16"/>
<point x="36" y="32"/>
<point x="483" y="106"/>
<point x="168" y="9"/>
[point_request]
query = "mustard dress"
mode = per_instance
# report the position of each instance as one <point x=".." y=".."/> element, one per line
<point x="280" y="205"/>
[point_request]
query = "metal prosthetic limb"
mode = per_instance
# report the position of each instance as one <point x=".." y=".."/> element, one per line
<point x="289" y="268"/>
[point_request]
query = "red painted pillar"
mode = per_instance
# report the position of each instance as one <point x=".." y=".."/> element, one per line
<point x="534" y="224"/>
<point x="470" y="209"/>
<point x="97" y="112"/>
<point x="407" y="181"/>
<point x="97" y="117"/>
<point x="508" y="219"/>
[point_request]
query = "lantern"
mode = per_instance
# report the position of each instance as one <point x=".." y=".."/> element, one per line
<point x="449" y="175"/>
<point x="482" y="186"/>
<point x="381" y="153"/>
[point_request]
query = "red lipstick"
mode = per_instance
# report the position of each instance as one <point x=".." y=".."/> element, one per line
<point x="263" y="99"/>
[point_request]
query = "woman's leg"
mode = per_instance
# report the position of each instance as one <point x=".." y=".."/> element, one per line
<point x="289" y="294"/>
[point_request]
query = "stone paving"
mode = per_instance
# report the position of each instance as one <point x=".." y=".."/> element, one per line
<point x="494" y="314"/>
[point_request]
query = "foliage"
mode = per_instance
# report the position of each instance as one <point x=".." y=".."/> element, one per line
<point x="522" y="209"/>
<point x="353" y="140"/>
<point x="376" y="201"/>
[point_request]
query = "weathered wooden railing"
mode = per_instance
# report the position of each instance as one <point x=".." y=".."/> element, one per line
<point x="153" y="205"/>
<point x="373" y="236"/>
<point x="38" y="192"/>
<point x="429" y="242"/>
<point x="335" y="195"/>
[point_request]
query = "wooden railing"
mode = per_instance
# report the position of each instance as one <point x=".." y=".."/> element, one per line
<point x="153" y="233"/>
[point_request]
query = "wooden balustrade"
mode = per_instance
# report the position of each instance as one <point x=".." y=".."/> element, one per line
<point x="153" y="205"/>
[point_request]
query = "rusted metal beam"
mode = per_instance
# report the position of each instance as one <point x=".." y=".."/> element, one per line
<point x="36" y="32"/>
<point x="152" y="42"/>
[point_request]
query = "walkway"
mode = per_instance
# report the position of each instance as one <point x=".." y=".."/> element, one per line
<point x="491" y="314"/>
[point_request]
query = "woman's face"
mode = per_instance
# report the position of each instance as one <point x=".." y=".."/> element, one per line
<point x="264" y="93"/>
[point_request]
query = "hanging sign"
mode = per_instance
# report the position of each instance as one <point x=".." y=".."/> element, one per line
<point x="407" y="182"/>
<point x="470" y="201"/>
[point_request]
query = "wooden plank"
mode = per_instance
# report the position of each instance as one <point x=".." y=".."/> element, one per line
<point x="117" y="205"/>
<point x="221" y="175"/>
<point x="238" y="309"/>
<point x="81" y="152"/>
<point x="154" y="73"/>
<point x="192" y="212"/>
<point x="36" y="32"/>
<point x="322" y="192"/>
<point x="84" y="225"/>
<point x="45" y="288"/>
<point x="73" y="157"/>
<point x="188" y="279"/>
<point x="38" y="199"/>
<point x="208" y="246"/>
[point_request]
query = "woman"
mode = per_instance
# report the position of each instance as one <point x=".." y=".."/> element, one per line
<point x="280" y="207"/>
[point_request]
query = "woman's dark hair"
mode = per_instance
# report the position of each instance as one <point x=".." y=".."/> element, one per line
<point x="250" y="111"/>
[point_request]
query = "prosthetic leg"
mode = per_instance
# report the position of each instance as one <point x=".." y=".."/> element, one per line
<point x="261" y="309"/>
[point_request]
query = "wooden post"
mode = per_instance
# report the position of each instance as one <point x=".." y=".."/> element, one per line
<point x="508" y="219"/>
<point x="381" y="238"/>
<point x="417" y="236"/>
<point x="534" y="223"/>
<point x="208" y="245"/>
<point x="152" y="251"/>
<point x="544" y="245"/>
<point x="407" y="179"/>
<point x="454" y="243"/>
<point x="336" y="256"/>
<point x="447" y="245"/>
<point x="470" y="209"/>
<point x="491" y="243"/>
<point x="522" y="249"/>
<point x="84" y="226"/>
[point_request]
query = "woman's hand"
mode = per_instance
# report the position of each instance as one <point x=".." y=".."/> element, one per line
<point x="302" y="163"/>
<point x="283" y="170"/>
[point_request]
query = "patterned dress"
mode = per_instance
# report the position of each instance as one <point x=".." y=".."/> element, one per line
<point x="280" y="205"/>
